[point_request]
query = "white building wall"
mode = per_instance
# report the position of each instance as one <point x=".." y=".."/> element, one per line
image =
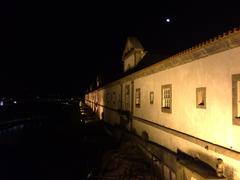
<point x="100" y="103"/>
<point x="111" y="115"/>
<point x="213" y="124"/>
<point x="173" y="143"/>
<point x="129" y="62"/>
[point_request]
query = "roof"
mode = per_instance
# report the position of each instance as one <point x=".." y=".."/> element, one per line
<point x="135" y="42"/>
<point x="154" y="57"/>
<point x="149" y="59"/>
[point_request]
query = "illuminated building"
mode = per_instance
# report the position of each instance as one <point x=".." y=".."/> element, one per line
<point x="188" y="102"/>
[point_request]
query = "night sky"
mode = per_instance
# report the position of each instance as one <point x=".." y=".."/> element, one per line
<point x="60" y="47"/>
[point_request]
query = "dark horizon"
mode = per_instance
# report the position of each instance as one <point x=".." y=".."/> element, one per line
<point x="62" y="49"/>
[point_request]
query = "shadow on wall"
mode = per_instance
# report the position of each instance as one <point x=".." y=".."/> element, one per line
<point x="221" y="168"/>
<point x="216" y="164"/>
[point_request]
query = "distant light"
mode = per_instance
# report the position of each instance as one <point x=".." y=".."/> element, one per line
<point x="168" y="20"/>
<point x="1" y="103"/>
<point x="15" y="102"/>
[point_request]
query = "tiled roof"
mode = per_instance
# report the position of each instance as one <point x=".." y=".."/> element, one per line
<point x="149" y="59"/>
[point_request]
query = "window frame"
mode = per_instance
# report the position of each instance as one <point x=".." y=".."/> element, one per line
<point x="236" y="99"/>
<point x="163" y="108"/>
<point x="127" y="97"/>
<point x="138" y="96"/>
<point x="151" y="97"/>
<point x="204" y="90"/>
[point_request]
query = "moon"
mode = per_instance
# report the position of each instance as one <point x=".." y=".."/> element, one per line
<point x="168" y="20"/>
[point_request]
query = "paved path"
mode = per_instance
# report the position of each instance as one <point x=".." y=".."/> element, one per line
<point x="126" y="162"/>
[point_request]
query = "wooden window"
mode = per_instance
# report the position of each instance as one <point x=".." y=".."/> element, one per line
<point x="166" y="99"/>
<point x="151" y="97"/>
<point x="236" y="99"/>
<point x="138" y="97"/>
<point x="201" y="97"/>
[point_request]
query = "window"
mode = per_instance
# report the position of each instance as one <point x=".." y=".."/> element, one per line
<point x="119" y="101"/>
<point x="151" y="97"/>
<point x="107" y="98"/>
<point x="114" y="98"/>
<point x="166" y="98"/>
<point x="236" y="99"/>
<point x="127" y="97"/>
<point x="128" y="67"/>
<point x="137" y="98"/>
<point x="201" y="97"/>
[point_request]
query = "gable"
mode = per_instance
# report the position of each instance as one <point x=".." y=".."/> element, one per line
<point x="132" y="43"/>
